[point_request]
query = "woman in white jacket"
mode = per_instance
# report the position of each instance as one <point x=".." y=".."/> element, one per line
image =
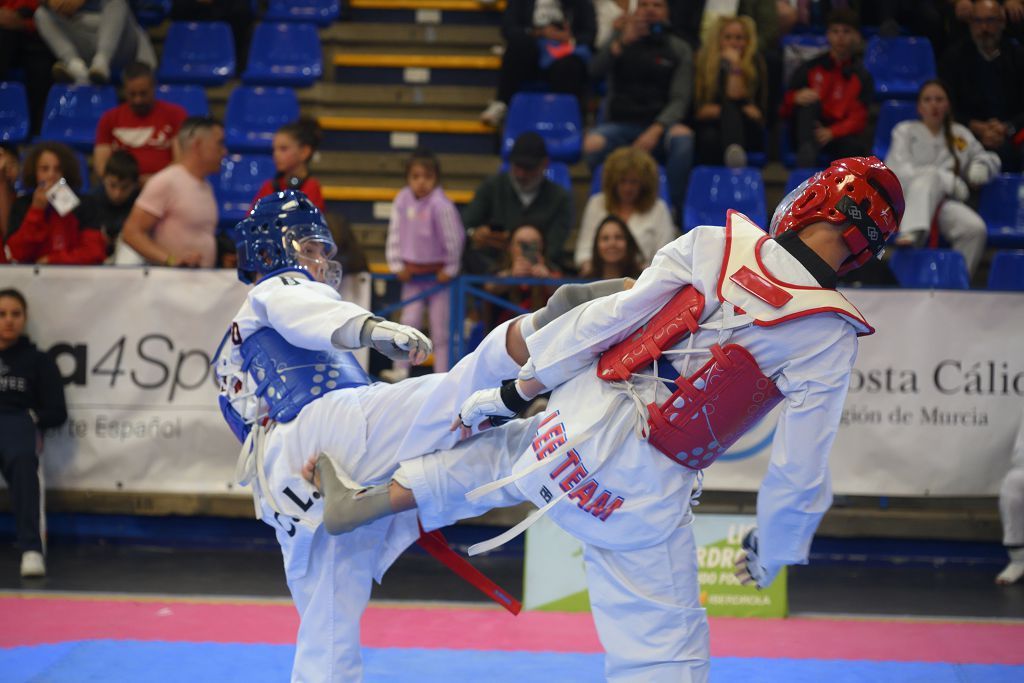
<point x="939" y="162"/>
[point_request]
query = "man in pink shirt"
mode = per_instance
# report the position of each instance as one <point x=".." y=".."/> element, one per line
<point x="143" y="126"/>
<point x="174" y="220"/>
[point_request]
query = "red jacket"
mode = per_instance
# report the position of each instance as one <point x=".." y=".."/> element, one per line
<point x="62" y="239"/>
<point x="310" y="187"/>
<point x="844" y="88"/>
<point x="24" y="8"/>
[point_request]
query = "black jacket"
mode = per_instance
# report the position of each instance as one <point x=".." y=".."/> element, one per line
<point x="983" y="90"/>
<point x="579" y="14"/>
<point x="29" y="380"/>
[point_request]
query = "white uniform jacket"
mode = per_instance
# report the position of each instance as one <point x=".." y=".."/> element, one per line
<point x="809" y="358"/>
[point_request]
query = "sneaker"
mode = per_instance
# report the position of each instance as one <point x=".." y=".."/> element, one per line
<point x="1012" y="573"/>
<point x="393" y="375"/>
<point x="735" y="156"/>
<point x="99" y="71"/>
<point x="73" y="71"/>
<point x="32" y="564"/>
<point x="494" y="114"/>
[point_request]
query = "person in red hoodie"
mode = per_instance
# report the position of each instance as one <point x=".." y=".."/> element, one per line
<point x="828" y="97"/>
<point x="37" y="232"/>
<point x="295" y="144"/>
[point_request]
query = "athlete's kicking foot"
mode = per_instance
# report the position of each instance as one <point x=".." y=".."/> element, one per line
<point x="347" y="507"/>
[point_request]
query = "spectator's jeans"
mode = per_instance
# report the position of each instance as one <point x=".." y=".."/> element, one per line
<point x="806" y="119"/>
<point x="675" y="152"/>
<point x="733" y="127"/>
<point x="521" y="64"/>
<point x="19" y="465"/>
<point x="110" y="34"/>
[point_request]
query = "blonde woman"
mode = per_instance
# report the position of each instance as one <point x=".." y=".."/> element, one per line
<point x="731" y="91"/>
<point x="629" y="190"/>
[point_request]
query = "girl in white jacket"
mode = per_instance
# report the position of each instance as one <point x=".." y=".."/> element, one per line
<point x="939" y="162"/>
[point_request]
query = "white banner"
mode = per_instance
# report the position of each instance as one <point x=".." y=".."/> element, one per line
<point x="134" y="346"/>
<point x="935" y="399"/>
<point x="934" y="404"/>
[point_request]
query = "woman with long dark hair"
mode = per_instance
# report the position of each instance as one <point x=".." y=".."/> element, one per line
<point x="615" y="251"/>
<point x="939" y="162"/>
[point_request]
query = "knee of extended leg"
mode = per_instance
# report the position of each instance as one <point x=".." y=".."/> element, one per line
<point x="594" y="143"/>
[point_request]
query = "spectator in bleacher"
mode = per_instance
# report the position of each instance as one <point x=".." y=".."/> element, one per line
<point x="731" y="95"/>
<point x="650" y="83"/>
<point x="914" y="17"/>
<point x="174" y="220"/>
<point x="615" y="252"/>
<point x="31" y="401"/>
<point x="21" y="46"/>
<point x="102" y="33"/>
<point x="939" y="162"/>
<point x="116" y="195"/>
<point x="524" y="258"/>
<point x="986" y="83"/>
<point x="811" y="15"/>
<point x="520" y="195"/>
<point x="235" y="13"/>
<point x="47" y="231"/>
<point x="828" y="97"/>
<point x="425" y="238"/>
<point x="544" y="39"/>
<point x="629" y="191"/>
<point x="294" y="146"/>
<point x="143" y="125"/>
<point x="10" y="168"/>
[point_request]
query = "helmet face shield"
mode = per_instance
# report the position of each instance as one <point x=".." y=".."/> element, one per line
<point x="312" y="251"/>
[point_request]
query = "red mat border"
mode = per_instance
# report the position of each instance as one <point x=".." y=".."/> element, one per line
<point x="33" y="619"/>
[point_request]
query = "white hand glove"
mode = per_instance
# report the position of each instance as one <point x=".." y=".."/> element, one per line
<point x="978" y="174"/>
<point x="748" y="565"/>
<point x="397" y="342"/>
<point x="960" y="190"/>
<point x="499" y="405"/>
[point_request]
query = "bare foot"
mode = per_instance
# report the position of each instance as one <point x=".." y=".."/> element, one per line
<point x="309" y="472"/>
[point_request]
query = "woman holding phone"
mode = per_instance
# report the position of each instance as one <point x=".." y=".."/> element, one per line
<point x="524" y="259"/>
<point x="51" y="223"/>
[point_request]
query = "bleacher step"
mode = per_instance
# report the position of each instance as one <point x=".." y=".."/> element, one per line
<point x="347" y="35"/>
<point x="435" y="12"/>
<point x="453" y="166"/>
<point x="324" y="94"/>
<point x="354" y="193"/>
<point x="389" y="67"/>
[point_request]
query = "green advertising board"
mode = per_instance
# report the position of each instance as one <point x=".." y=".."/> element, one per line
<point x="555" y="578"/>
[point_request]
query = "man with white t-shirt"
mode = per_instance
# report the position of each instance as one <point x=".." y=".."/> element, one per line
<point x="174" y="220"/>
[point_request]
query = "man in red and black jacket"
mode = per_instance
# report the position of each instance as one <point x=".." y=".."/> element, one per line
<point x="828" y="97"/>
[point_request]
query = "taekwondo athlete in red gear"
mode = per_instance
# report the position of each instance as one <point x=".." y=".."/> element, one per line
<point x="588" y="462"/>
<point x="289" y="388"/>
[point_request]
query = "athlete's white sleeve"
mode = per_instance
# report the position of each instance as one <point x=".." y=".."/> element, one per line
<point x="306" y="313"/>
<point x="571" y="342"/>
<point x="797" y="489"/>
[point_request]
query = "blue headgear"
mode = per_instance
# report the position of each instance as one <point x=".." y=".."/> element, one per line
<point x="285" y="230"/>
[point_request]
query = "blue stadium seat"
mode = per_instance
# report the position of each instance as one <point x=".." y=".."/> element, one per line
<point x="151" y="12"/>
<point x="198" y="52"/>
<point x="191" y="98"/>
<point x="797" y="176"/>
<point x="930" y="269"/>
<point x="240" y="178"/>
<point x="595" y="183"/>
<point x="1007" y="271"/>
<point x="899" y="66"/>
<point x="556" y="172"/>
<point x="555" y="117"/>
<point x="72" y="112"/>
<point x="1002" y="206"/>
<point x="891" y="113"/>
<point x="13" y="112"/>
<point x="713" y="190"/>
<point x="284" y="54"/>
<point x="254" y="114"/>
<point x="321" y="12"/>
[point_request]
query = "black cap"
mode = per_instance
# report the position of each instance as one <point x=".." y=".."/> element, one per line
<point x="529" y="150"/>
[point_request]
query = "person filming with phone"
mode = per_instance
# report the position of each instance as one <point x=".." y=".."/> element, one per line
<point x="521" y="195"/>
<point x="51" y="223"/>
<point x="524" y="259"/>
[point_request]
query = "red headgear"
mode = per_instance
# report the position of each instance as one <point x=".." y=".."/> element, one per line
<point x="861" y="191"/>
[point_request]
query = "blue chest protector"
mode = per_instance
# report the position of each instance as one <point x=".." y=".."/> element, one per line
<point x="288" y="377"/>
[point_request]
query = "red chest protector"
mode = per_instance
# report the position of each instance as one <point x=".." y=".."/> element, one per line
<point x="713" y="407"/>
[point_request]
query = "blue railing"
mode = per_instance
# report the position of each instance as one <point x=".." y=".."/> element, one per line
<point x="462" y="290"/>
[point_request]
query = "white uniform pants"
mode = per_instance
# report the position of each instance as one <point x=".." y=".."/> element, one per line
<point x="958" y="223"/>
<point x="645" y="602"/>
<point x="1011" y="494"/>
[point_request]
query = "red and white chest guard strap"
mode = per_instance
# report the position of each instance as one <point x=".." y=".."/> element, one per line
<point x="712" y="408"/>
<point x="679" y="317"/>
